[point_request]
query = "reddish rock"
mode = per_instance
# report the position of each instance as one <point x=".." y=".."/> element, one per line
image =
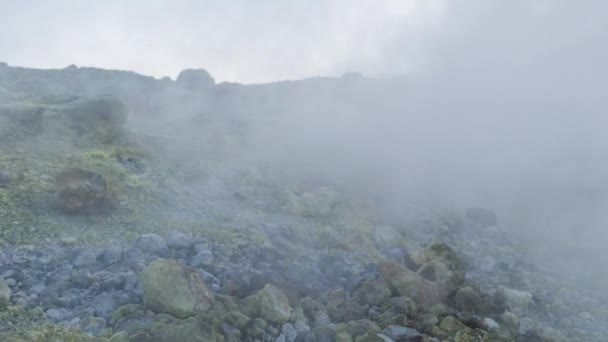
<point x="85" y="192"/>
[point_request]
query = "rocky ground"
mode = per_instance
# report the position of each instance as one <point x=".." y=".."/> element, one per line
<point x="111" y="235"/>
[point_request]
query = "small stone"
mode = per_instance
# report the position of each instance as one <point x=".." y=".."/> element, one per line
<point x="490" y="324"/>
<point x="110" y="256"/>
<point x="202" y="258"/>
<point x="5" y="294"/>
<point x="69" y="241"/>
<point x="401" y="333"/>
<point x="57" y="315"/>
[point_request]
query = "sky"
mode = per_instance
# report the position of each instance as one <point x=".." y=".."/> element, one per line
<point x="269" y="40"/>
<point x="244" y="41"/>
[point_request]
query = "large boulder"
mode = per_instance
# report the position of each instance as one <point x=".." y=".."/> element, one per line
<point x="517" y="301"/>
<point x="172" y="288"/>
<point x="195" y="79"/>
<point x="440" y="265"/>
<point x="270" y="304"/>
<point x="410" y="284"/>
<point x="432" y="275"/>
<point x="85" y="192"/>
<point x="192" y="329"/>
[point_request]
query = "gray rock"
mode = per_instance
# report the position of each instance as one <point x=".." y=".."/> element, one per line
<point x="5" y="294"/>
<point x="110" y="256"/>
<point x="85" y="258"/>
<point x="270" y="304"/>
<point x="57" y="315"/>
<point x="104" y="304"/>
<point x="325" y="333"/>
<point x="93" y="325"/>
<point x="152" y="244"/>
<point x="202" y="258"/>
<point x="290" y="332"/>
<point x="401" y="333"/>
<point x="180" y="240"/>
<point x="302" y="328"/>
<point x="5" y="178"/>
<point x="516" y="301"/>
<point x="172" y="288"/>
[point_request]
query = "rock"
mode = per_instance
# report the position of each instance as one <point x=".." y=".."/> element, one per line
<point x="372" y="292"/>
<point x="386" y="237"/>
<point x="93" y="325"/>
<point x="440" y="265"/>
<point x="85" y="192"/>
<point x="5" y="178"/>
<point x="152" y="244"/>
<point x="325" y="333"/>
<point x="467" y="299"/>
<point x="402" y="334"/>
<point x="516" y="301"/>
<point x="451" y="325"/>
<point x="490" y="324"/>
<point x="179" y="240"/>
<point x="174" y="289"/>
<point x="5" y="294"/>
<point x="195" y="79"/>
<point x="270" y="304"/>
<point x="344" y="336"/>
<point x="69" y="241"/>
<point x="410" y="284"/>
<point x="85" y="258"/>
<point x="57" y="315"/>
<point x="121" y="336"/>
<point x="290" y="332"/>
<point x="484" y="217"/>
<point x="193" y="329"/>
<point x="110" y="256"/>
<point x="202" y="258"/>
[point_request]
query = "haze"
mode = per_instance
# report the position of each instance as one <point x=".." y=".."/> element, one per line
<point x="435" y="104"/>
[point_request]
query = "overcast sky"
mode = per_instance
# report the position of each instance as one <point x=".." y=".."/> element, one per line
<point x="268" y="40"/>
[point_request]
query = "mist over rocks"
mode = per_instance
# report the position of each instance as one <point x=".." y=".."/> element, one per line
<point x="225" y="195"/>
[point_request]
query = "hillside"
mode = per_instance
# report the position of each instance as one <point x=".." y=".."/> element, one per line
<point x="143" y="209"/>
